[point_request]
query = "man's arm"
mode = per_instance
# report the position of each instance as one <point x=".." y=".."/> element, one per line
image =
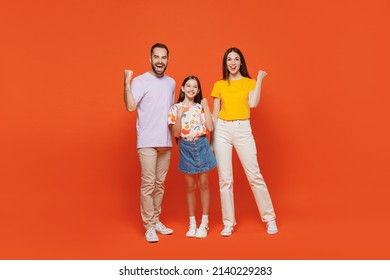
<point x="130" y="102"/>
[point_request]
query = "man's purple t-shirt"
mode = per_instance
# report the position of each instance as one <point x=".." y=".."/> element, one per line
<point x="155" y="97"/>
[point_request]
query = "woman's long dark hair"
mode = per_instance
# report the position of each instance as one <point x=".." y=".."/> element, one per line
<point x="243" y="70"/>
<point x="198" y="98"/>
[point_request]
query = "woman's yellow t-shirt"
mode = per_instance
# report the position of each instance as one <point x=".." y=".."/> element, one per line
<point x="234" y="96"/>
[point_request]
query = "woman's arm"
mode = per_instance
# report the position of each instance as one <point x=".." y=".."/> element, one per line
<point x="130" y="102"/>
<point x="207" y="114"/>
<point x="216" y="109"/>
<point x="254" y="95"/>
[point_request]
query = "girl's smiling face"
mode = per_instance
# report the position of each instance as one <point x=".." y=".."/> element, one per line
<point x="190" y="89"/>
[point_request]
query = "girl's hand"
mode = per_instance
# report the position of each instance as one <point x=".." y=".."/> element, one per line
<point x="204" y="103"/>
<point x="180" y="110"/>
<point x="128" y="75"/>
<point x="261" y="75"/>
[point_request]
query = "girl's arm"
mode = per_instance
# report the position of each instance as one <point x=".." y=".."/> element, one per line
<point x="254" y="95"/>
<point x="130" y="102"/>
<point x="207" y="114"/>
<point x="176" y="127"/>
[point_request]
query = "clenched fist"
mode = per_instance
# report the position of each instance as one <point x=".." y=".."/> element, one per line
<point x="261" y="75"/>
<point x="204" y="103"/>
<point x="128" y="75"/>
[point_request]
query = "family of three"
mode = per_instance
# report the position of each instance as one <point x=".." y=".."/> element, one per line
<point x="158" y="118"/>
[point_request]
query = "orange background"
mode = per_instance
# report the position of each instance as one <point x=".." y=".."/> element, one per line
<point x="69" y="172"/>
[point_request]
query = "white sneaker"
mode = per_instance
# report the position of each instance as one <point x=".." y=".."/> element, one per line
<point x="271" y="227"/>
<point x="201" y="232"/>
<point x="227" y="231"/>
<point x="191" y="231"/>
<point x="160" y="228"/>
<point x="151" y="235"/>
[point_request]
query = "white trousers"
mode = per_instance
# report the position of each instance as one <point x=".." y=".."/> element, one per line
<point x="238" y="134"/>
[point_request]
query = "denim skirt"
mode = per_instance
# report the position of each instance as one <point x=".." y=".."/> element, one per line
<point x="196" y="156"/>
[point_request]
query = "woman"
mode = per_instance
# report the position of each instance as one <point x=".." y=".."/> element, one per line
<point x="234" y="95"/>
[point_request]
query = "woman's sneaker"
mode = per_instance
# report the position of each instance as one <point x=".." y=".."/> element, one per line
<point x="191" y="231"/>
<point x="271" y="227"/>
<point x="201" y="232"/>
<point x="227" y="231"/>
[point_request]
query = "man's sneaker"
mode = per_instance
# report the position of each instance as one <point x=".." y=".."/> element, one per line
<point x="271" y="227"/>
<point x="151" y="235"/>
<point x="160" y="228"/>
<point x="227" y="231"/>
<point x="201" y="232"/>
<point x="191" y="231"/>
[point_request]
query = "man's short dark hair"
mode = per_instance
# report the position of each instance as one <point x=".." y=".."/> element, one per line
<point x="159" y="45"/>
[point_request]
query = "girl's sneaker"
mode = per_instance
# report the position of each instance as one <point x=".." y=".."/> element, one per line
<point x="201" y="232"/>
<point x="191" y="231"/>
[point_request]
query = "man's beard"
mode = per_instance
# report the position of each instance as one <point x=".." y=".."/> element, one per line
<point x="154" y="68"/>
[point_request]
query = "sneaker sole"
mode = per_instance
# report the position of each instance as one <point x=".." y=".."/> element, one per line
<point x="152" y="241"/>
<point x="164" y="233"/>
<point x="226" y="234"/>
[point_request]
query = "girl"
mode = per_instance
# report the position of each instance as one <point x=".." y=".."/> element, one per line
<point x="238" y="93"/>
<point x="189" y="120"/>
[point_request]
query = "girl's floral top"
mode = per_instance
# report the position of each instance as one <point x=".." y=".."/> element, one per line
<point x="192" y="122"/>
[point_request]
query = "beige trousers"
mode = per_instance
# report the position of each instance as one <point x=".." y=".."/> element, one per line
<point x="238" y="134"/>
<point x="154" y="168"/>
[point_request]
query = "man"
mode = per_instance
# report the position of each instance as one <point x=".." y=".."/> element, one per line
<point x="152" y="94"/>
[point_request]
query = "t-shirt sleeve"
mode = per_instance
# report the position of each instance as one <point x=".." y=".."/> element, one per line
<point x="216" y="92"/>
<point x="252" y="84"/>
<point x="137" y="89"/>
<point x="173" y="90"/>
<point x="172" y="115"/>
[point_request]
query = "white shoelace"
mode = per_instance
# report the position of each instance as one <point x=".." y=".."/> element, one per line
<point x="150" y="232"/>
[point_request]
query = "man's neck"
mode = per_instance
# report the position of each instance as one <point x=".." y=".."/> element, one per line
<point x="154" y="74"/>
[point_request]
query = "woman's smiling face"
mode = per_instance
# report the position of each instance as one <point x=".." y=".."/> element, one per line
<point x="233" y="63"/>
